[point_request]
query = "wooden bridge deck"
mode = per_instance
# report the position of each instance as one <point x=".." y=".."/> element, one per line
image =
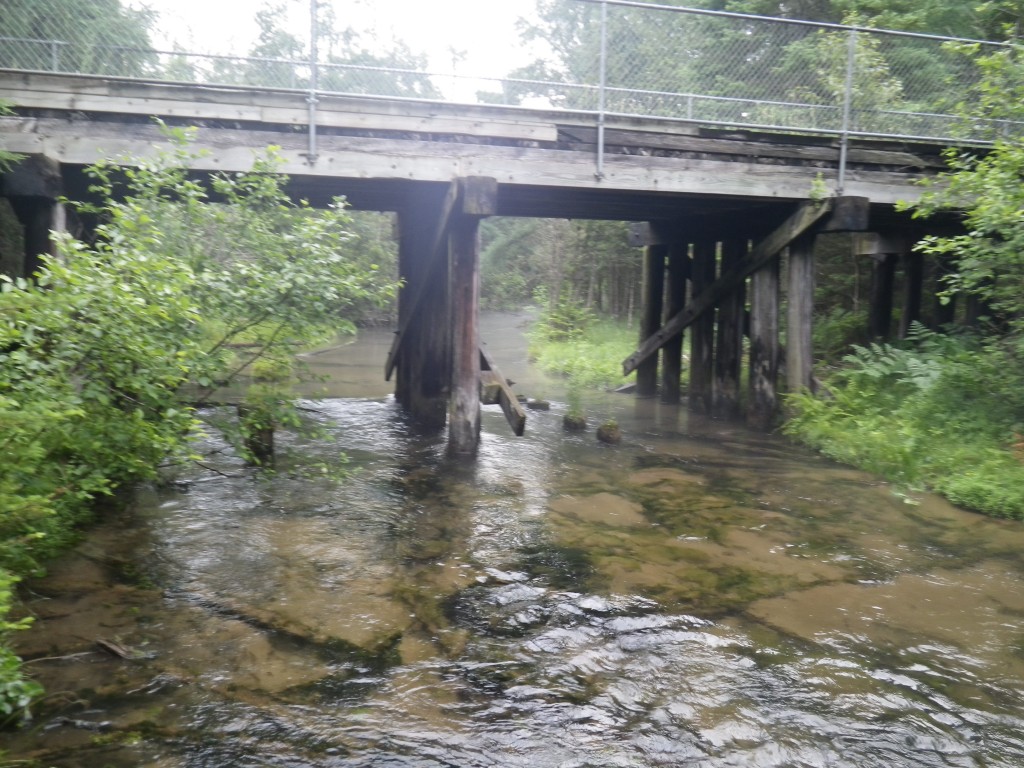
<point x="371" y="149"/>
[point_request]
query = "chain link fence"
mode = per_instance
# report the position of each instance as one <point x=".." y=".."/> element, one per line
<point x="606" y="57"/>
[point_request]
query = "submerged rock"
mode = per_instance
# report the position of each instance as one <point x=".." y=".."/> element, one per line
<point x="609" y="433"/>
<point x="574" y="422"/>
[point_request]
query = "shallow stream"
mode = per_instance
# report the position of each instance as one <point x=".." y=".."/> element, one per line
<point x="699" y="595"/>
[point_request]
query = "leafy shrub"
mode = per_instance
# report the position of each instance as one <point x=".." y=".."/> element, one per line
<point x="177" y="293"/>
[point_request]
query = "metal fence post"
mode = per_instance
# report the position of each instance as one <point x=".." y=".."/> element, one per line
<point x="54" y="56"/>
<point x="602" y="85"/>
<point x="311" y="98"/>
<point x="844" y="139"/>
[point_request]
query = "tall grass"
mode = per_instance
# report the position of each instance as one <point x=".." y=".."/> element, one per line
<point x="942" y="413"/>
<point x="587" y="351"/>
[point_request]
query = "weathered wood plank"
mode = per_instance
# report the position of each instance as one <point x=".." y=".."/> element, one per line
<point x="420" y="159"/>
<point x="134" y="106"/>
<point x="424" y="361"/>
<point x="672" y="353"/>
<point x="702" y="336"/>
<point x="805" y="217"/>
<point x="438" y="251"/>
<point x="729" y="343"/>
<point x="762" y="404"/>
<point x="510" y="406"/>
<point x="653" y="291"/>
<point x="490" y="387"/>
<point x="732" y="146"/>
<point x="799" y="315"/>
<point x="464" y="402"/>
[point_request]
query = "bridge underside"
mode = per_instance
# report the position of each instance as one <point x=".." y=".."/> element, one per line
<point x="721" y="209"/>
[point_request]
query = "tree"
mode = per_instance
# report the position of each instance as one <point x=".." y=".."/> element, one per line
<point x="92" y="36"/>
<point x="985" y="186"/>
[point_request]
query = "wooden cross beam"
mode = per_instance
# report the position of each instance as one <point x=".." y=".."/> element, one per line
<point x="469" y="196"/>
<point x="514" y="413"/>
<point x="847" y="213"/>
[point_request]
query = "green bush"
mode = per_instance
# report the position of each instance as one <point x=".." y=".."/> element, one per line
<point x="103" y="353"/>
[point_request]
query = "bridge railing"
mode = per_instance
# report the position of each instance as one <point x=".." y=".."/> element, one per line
<point x="603" y="57"/>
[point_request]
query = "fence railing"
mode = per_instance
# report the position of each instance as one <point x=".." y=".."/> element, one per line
<point x="605" y="58"/>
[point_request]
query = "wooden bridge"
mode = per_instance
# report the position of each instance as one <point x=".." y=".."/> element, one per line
<point x="716" y="211"/>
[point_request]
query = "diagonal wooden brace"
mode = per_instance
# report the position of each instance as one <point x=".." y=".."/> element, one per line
<point x="809" y="214"/>
<point x="469" y="196"/>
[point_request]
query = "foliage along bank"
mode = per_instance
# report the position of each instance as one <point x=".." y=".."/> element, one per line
<point x="946" y="412"/>
<point x="105" y="352"/>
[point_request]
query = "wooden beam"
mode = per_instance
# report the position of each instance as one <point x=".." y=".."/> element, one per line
<point x="514" y="413"/>
<point x="913" y="276"/>
<point x="423" y="364"/>
<point x="672" y="356"/>
<point x="762" y="404"/>
<point x="883" y="276"/>
<point x="464" y="402"/>
<point x="799" y="315"/>
<point x="650" y="315"/>
<point x="740" y="221"/>
<point x="806" y="216"/>
<point x="434" y="257"/>
<point x="702" y="336"/>
<point x="471" y="196"/>
<point x="729" y="344"/>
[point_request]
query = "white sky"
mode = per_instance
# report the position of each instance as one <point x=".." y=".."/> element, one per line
<point x="483" y="31"/>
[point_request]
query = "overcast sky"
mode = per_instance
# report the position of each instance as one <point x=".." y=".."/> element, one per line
<point x="483" y="30"/>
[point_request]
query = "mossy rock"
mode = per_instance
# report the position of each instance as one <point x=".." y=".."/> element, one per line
<point x="574" y="422"/>
<point x="609" y="433"/>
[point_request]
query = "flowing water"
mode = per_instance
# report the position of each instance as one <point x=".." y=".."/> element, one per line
<point x="698" y="595"/>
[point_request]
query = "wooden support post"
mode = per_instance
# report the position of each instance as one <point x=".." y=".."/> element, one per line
<point x="913" y="275"/>
<point x="34" y="187"/>
<point x="799" y="316"/>
<point x="672" y="352"/>
<point x="807" y="215"/>
<point x="514" y="413"/>
<point x="477" y="198"/>
<point x="880" y="310"/>
<point x="650" y="321"/>
<point x="702" y="337"/>
<point x="464" y="405"/>
<point x="39" y="218"/>
<point x="764" y="346"/>
<point x="422" y="348"/>
<point x="729" y="345"/>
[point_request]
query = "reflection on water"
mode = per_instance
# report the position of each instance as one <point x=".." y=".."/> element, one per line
<point x="697" y="596"/>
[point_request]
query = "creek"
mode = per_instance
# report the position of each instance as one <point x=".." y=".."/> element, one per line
<point x="698" y="595"/>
